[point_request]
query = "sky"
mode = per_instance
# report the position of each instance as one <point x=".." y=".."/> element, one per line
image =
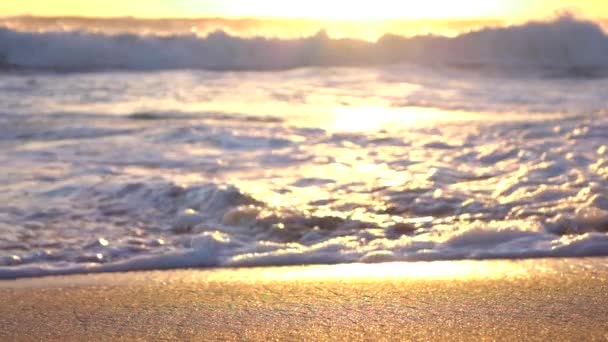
<point x="313" y="9"/>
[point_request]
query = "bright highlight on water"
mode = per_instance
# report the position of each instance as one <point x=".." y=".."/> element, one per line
<point x="154" y="151"/>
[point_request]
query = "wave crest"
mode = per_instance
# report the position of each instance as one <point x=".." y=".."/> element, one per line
<point x="565" y="42"/>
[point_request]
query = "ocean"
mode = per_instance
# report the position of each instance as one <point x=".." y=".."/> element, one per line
<point x="127" y="151"/>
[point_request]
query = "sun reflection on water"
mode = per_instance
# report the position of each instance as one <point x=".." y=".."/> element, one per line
<point x="438" y="270"/>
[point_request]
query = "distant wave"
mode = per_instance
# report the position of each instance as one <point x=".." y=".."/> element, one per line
<point x="566" y="42"/>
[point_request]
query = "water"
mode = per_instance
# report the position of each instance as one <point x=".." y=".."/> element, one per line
<point x="566" y="44"/>
<point x="122" y="165"/>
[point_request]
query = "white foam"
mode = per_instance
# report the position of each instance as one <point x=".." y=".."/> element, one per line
<point x="93" y="182"/>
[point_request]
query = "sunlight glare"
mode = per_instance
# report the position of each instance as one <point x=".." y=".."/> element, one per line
<point x="378" y="10"/>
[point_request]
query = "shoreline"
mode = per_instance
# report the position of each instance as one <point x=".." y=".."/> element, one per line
<point x="520" y="299"/>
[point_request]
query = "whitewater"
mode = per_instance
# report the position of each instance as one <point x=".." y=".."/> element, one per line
<point x="124" y="152"/>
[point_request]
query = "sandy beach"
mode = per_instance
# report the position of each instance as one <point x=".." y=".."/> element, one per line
<point x="563" y="299"/>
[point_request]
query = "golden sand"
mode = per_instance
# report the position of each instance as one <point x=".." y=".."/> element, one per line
<point x="557" y="299"/>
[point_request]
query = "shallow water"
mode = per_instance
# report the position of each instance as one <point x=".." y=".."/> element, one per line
<point x="145" y="170"/>
<point x="124" y="152"/>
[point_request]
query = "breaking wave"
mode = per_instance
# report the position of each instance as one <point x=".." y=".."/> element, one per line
<point x="569" y="43"/>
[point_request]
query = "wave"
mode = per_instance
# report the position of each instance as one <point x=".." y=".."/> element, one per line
<point x="565" y="42"/>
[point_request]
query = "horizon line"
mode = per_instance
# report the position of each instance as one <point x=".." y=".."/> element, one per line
<point x="288" y="18"/>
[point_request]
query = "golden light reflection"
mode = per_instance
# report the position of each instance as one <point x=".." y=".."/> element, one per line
<point x="319" y="188"/>
<point x="438" y="270"/>
<point x="357" y="119"/>
<point x="374" y="118"/>
<point x="420" y="270"/>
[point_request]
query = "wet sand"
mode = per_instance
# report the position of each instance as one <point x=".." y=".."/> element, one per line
<point x="563" y="299"/>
